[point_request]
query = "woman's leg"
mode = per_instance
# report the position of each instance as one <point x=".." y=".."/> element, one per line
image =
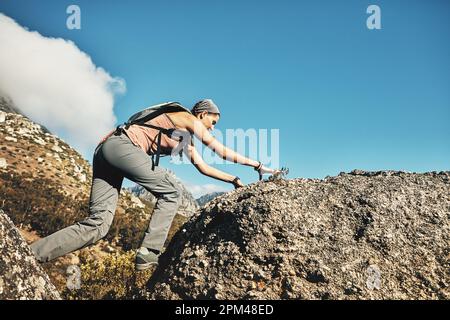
<point x="106" y="184"/>
<point x="136" y="165"/>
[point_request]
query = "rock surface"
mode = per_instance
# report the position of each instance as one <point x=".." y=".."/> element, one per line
<point x="360" y="235"/>
<point x="21" y="276"/>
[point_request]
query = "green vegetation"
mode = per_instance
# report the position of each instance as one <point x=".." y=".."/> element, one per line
<point x="113" y="277"/>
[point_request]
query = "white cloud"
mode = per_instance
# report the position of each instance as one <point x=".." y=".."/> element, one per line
<point x="56" y="84"/>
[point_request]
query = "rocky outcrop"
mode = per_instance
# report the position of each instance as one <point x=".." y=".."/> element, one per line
<point x="21" y="276"/>
<point x="362" y="235"/>
<point x="7" y="106"/>
<point x="27" y="147"/>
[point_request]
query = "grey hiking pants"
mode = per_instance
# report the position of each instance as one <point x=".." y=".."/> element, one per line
<point x="115" y="159"/>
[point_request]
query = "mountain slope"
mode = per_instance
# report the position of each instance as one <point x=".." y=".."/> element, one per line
<point x="208" y="197"/>
<point x="6" y="105"/>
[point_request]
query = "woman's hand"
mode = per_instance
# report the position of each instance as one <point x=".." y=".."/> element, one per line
<point x="237" y="183"/>
<point x="266" y="170"/>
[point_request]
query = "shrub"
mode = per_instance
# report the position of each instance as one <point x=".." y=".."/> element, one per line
<point x="113" y="277"/>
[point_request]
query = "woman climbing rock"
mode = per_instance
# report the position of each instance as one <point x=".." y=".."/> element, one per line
<point x="124" y="152"/>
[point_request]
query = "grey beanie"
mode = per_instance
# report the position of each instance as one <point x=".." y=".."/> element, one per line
<point x="205" y="105"/>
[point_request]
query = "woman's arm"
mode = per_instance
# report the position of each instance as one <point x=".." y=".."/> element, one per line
<point x="205" y="169"/>
<point x="193" y="125"/>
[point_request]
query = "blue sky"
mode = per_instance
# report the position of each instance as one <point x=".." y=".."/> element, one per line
<point x="342" y="96"/>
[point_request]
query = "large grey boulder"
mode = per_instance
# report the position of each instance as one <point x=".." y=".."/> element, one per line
<point x="21" y="276"/>
<point x="360" y="235"/>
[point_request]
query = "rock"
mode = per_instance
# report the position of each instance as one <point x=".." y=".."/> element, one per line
<point x="136" y="202"/>
<point x="57" y="148"/>
<point x="39" y="141"/>
<point x="21" y="276"/>
<point x="82" y="178"/>
<point x="360" y="235"/>
<point x="2" y="116"/>
<point x="3" y="163"/>
<point x="12" y="139"/>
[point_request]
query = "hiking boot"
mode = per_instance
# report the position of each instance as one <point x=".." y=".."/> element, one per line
<point x="146" y="260"/>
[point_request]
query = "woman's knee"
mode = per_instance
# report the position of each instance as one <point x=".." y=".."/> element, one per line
<point x="103" y="230"/>
<point x="172" y="190"/>
<point x="99" y="223"/>
<point x="177" y="193"/>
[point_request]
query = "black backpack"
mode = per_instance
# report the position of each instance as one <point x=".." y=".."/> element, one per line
<point x="140" y="118"/>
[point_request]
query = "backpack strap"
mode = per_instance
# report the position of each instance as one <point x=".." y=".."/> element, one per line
<point x="168" y="132"/>
<point x="158" y="151"/>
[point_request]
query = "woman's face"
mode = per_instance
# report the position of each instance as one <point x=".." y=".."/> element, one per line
<point x="209" y="120"/>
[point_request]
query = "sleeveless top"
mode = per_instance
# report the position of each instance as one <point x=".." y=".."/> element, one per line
<point x="146" y="138"/>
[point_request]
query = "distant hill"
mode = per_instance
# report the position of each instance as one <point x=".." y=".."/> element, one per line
<point x="7" y="105"/>
<point x="208" y="197"/>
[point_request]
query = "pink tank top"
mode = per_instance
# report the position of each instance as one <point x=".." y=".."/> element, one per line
<point x="146" y="138"/>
